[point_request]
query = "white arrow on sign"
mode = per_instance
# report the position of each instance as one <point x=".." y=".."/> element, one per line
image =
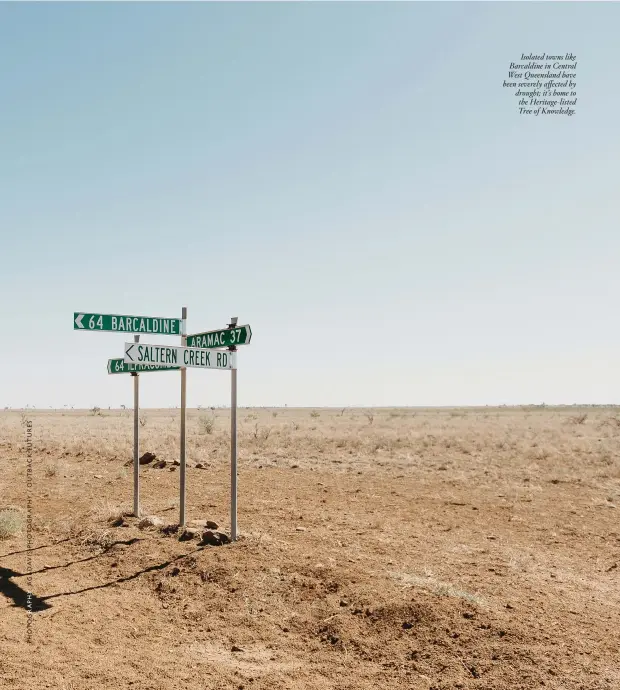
<point x="78" y="320"/>
<point x="168" y="355"/>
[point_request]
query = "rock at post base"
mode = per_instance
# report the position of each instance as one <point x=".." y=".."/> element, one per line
<point x="150" y="521"/>
<point x="189" y="533"/>
<point x="210" y="538"/>
<point x="146" y="458"/>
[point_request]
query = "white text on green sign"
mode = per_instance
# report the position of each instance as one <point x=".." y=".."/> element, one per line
<point x="227" y="337"/>
<point x="165" y="355"/>
<point x="119" y="366"/>
<point x="126" y="324"/>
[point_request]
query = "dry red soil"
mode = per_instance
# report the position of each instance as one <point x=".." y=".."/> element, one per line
<point x="422" y="549"/>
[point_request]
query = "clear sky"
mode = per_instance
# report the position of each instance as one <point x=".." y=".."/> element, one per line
<point x="350" y="179"/>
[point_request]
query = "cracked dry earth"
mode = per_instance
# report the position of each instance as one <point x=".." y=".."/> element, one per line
<point x="423" y="549"/>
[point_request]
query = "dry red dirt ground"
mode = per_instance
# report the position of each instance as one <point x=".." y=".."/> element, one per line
<point x="422" y="549"/>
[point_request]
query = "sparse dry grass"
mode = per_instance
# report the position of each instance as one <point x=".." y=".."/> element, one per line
<point x="50" y="471"/>
<point x="206" y="424"/>
<point x="97" y="539"/>
<point x="107" y="511"/>
<point x="430" y="583"/>
<point x="498" y="444"/>
<point x="12" y="521"/>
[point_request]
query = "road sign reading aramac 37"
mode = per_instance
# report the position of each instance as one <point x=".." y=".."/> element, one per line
<point x="166" y="355"/>
<point x="126" y="324"/>
<point x="226" y="337"/>
<point x="119" y="366"/>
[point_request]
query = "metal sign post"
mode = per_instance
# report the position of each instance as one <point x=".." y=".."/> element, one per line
<point x="233" y="442"/>
<point x="136" y="440"/>
<point x="183" y="409"/>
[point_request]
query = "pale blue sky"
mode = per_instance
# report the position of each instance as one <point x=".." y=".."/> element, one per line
<point x="350" y="179"/>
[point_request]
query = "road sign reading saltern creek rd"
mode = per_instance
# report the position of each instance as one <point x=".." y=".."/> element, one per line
<point x="119" y="366"/>
<point x="138" y="353"/>
<point x="126" y="324"/>
<point x="227" y="337"/>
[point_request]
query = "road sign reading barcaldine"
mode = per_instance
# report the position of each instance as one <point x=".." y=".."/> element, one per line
<point x="164" y="355"/>
<point x="227" y="337"/>
<point x="126" y="324"/>
<point x="119" y="366"/>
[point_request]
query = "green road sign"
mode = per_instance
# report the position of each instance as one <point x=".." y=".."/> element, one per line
<point x="126" y="324"/>
<point x="119" y="366"/>
<point x="227" y="337"/>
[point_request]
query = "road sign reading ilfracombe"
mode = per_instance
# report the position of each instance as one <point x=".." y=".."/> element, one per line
<point x="227" y="337"/>
<point x="126" y="324"/>
<point x="139" y="353"/>
<point x="119" y="366"/>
